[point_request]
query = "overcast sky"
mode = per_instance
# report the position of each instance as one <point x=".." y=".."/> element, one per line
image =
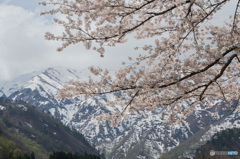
<point x="23" y="48"/>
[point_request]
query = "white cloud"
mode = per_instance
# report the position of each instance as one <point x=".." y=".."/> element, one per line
<point x="24" y="49"/>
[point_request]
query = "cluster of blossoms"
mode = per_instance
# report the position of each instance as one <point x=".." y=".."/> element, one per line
<point x="192" y="61"/>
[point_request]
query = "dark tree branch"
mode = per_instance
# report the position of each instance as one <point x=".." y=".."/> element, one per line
<point x="235" y="17"/>
<point x="219" y="75"/>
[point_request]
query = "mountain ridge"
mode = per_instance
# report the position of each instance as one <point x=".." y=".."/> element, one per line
<point x="37" y="131"/>
<point x="137" y="138"/>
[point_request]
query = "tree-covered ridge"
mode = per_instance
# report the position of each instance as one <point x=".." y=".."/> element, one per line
<point x="35" y="131"/>
<point x="227" y="140"/>
<point x="64" y="155"/>
<point x="9" y="150"/>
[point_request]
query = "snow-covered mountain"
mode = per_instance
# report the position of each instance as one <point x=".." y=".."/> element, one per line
<point x="145" y="138"/>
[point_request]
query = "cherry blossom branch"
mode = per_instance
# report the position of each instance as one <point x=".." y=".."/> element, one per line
<point x="199" y="71"/>
<point x="235" y="16"/>
<point x="189" y="60"/>
<point x="125" y="108"/>
<point x="222" y="92"/>
<point x="218" y="76"/>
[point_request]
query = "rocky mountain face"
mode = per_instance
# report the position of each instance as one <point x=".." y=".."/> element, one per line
<point x="141" y="137"/>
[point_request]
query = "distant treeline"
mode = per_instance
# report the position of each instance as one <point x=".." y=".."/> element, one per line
<point x="65" y="155"/>
<point x="9" y="150"/>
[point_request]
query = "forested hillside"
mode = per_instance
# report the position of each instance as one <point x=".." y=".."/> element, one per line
<point x="24" y="130"/>
<point x="9" y="150"/>
<point x="227" y="140"/>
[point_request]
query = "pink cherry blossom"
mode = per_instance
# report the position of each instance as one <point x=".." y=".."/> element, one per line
<point x="192" y="60"/>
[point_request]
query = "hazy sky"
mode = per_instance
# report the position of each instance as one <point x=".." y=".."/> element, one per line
<point x="23" y="48"/>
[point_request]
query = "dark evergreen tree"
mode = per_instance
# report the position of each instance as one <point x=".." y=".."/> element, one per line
<point x="32" y="155"/>
<point x="64" y="155"/>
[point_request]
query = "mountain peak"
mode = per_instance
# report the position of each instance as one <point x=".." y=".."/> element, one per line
<point x="131" y="139"/>
<point x="55" y="77"/>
